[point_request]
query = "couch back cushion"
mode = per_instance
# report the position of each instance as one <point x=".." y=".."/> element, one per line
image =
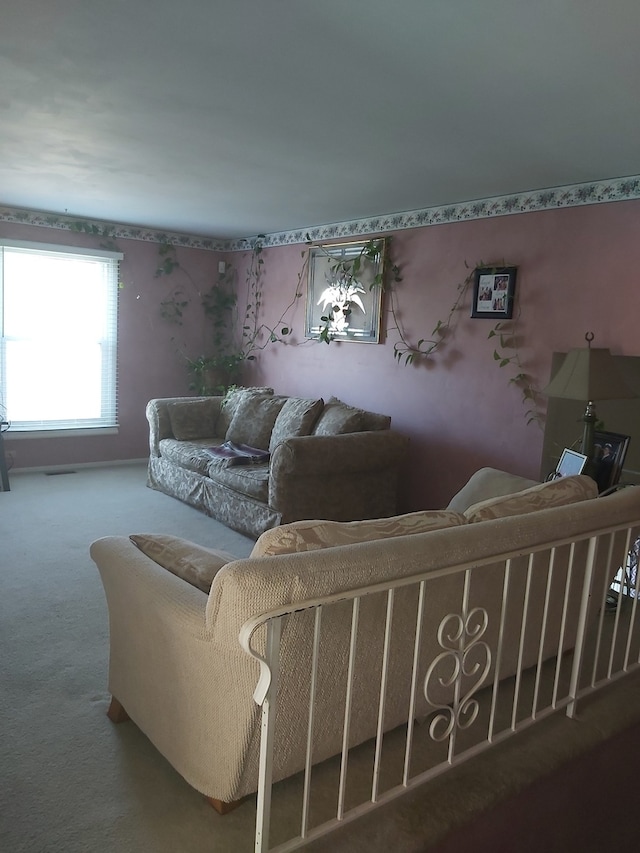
<point x="296" y="417"/>
<point x="564" y="490"/>
<point x="232" y="400"/>
<point x="193" y="563"/>
<point x="191" y="419"/>
<point x="311" y="535"/>
<point x="338" y="418"/>
<point x="254" y="420"/>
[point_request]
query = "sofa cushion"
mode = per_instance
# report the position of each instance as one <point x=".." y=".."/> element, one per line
<point x="338" y="418"/>
<point x="193" y="563"/>
<point x="296" y="417"/>
<point x="249" y="480"/>
<point x="253" y="421"/>
<point x="192" y="455"/>
<point x="191" y="419"/>
<point x="488" y="483"/>
<point x="564" y="490"/>
<point x="311" y="535"/>
<point x="232" y="400"/>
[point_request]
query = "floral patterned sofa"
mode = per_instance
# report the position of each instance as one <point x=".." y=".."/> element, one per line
<point x="326" y="460"/>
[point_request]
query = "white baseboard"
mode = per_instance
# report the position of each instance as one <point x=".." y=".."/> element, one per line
<point x="49" y="469"/>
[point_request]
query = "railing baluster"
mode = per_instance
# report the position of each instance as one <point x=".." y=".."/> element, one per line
<point x="317" y="625"/>
<point x="563" y="623"/>
<point x="543" y="629"/>
<point x="523" y="629"/>
<point x="267" y="732"/>
<point x="503" y="613"/>
<point x="347" y="708"/>
<point x="626" y="578"/>
<point x="603" y="603"/>
<point x="383" y="693"/>
<point x="636" y="590"/>
<point x="581" y="633"/>
<point x="616" y="623"/>
<point x="414" y="685"/>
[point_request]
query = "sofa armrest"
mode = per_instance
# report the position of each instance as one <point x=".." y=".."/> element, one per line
<point x="338" y="477"/>
<point x="169" y="672"/>
<point x="157" y="412"/>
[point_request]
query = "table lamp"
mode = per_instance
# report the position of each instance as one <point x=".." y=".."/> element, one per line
<point x="588" y="374"/>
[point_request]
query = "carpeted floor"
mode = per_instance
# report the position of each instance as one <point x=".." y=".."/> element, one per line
<point x="72" y="782"/>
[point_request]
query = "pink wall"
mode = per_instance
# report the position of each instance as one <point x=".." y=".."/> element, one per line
<point x="576" y="273"/>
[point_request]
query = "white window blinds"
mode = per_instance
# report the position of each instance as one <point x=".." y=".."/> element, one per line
<point x="59" y="336"/>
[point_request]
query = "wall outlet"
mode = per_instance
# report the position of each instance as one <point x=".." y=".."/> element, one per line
<point x="222" y="267"/>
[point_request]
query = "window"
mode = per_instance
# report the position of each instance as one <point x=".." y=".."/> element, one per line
<point x="58" y="348"/>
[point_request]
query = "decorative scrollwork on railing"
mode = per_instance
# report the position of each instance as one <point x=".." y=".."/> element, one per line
<point x="460" y="637"/>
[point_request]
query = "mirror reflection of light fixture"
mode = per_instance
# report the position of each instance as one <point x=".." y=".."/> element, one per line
<point x="588" y="374"/>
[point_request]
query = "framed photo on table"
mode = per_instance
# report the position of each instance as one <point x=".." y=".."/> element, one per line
<point x="570" y="463"/>
<point x="493" y="292"/>
<point x="609" y="451"/>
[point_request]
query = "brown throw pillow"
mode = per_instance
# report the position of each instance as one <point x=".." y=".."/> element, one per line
<point x="193" y="563"/>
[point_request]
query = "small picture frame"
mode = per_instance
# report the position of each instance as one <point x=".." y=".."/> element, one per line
<point x="493" y="292"/>
<point x="571" y="462"/>
<point x="609" y="451"/>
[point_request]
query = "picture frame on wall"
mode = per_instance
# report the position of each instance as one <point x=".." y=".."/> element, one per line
<point x="493" y="292"/>
<point x="344" y="301"/>
<point x="609" y="452"/>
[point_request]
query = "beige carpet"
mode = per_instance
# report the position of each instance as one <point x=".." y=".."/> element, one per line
<point x="72" y="782"/>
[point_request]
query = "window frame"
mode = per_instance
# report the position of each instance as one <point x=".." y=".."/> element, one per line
<point x="107" y="422"/>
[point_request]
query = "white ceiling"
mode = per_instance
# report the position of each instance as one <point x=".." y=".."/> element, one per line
<point x="232" y="118"/>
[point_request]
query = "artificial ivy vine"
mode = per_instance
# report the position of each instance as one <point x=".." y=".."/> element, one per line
<point x="506" y="352"/>
<point x="220" y="301"/>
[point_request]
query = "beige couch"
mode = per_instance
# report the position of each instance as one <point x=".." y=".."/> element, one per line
<point x="177" y="668"/>
<point x="327" y="460"/>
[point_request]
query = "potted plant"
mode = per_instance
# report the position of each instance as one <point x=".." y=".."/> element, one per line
<point x="214" y="374"/>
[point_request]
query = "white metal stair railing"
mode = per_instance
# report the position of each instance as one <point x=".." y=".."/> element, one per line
<point x="605" y="649"/>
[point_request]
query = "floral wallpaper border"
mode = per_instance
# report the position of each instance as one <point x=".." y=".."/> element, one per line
<point x="617" y="189"/>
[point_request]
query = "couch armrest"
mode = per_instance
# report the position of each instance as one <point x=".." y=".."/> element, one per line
<point x="157" y="412"/>
<point x="338" y="477"/>
<point x="171" y="675"/>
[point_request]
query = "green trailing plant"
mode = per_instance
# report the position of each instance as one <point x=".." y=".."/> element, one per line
<point x="506" y="354"/>
<point x="213" y="372"/>
<point x="505" y="333"/>
<point x="256" y="335"/>
<point x="105" y="234"/>
<point x="404" y="350"/>
<point x="237" y="331"/>
<point x="506" y="351"/>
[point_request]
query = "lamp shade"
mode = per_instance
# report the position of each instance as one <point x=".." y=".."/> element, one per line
<point x="588" y="374"/>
